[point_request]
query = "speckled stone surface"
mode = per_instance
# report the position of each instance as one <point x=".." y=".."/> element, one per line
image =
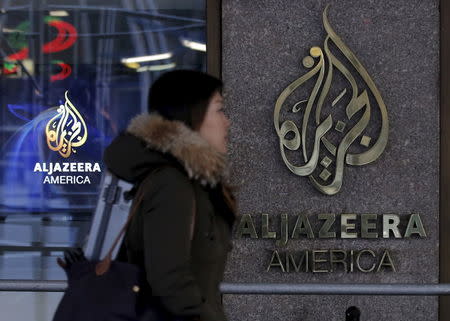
<point x="264" y="43"/>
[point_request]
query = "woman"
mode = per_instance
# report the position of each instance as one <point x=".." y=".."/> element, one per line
<point x="181" y="232"/>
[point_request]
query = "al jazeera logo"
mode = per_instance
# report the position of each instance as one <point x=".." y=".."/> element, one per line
<point x="66" y="130"/>
<point x="65" y="133"/>
<point x="339" y="125"/>
<point x="330" y="117"/>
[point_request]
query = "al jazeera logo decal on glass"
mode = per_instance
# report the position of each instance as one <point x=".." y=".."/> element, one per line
<point x="65" y="133"/>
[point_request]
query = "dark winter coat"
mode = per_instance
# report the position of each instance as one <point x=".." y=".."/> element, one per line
<point x="183" y="200"/>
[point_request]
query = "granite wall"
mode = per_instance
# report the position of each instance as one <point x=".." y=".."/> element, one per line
<point x="264" y="43"/>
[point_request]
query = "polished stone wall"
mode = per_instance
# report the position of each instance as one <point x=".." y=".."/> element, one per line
<point x="264" y="43"/>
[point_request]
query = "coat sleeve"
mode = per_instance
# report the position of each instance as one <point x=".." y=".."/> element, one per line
<point x="167" y="218"/>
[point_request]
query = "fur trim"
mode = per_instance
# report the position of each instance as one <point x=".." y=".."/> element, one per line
<point x="199" y="159"/>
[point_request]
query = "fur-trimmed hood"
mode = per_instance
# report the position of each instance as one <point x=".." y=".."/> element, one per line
<point x="158" y="139"/>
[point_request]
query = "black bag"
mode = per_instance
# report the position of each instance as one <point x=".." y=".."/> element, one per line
<point x="108" y="290"/>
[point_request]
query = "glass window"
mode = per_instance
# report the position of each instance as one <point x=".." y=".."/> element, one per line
<point x="72" y="74"/>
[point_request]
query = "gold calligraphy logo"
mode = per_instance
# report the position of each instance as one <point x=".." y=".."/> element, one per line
<point x="66" y="130"/>
<point x="328" y="131"/>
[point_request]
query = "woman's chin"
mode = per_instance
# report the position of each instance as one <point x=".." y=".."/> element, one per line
<point x="222" y="150"/>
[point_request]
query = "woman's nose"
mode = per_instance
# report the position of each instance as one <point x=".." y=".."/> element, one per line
<point x="227" y="122"/>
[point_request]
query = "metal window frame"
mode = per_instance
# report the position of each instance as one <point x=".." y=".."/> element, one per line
<point x="214" y="37"/>
<point x="444" y="185"/>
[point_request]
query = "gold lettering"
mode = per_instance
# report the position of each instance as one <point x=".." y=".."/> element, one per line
<point x="284" y="231"/>
<point x="366" y="226"/>
<point x="324" y="231"/>
<point x="334" y="260"/>
<point x="358" y="264"/>
<point x="302" y="226"/>
<point x="266" y="234"/>
<point x="386" y="261"/>
<point x="246" y="227"/>
<point x="351" y="261"/>
<point x="275" y="261"/>
<point x="315" y="260"/>
<point x="346" y="226"/>
<point x="415" y="226"/>
<point x="390" y="223"/>
<point x="302" y="261"/>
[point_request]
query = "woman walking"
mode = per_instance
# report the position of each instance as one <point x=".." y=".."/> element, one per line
<point x="181" y="234"/>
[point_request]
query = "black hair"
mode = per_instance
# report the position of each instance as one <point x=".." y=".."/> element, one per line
<point x="183" y="95"/>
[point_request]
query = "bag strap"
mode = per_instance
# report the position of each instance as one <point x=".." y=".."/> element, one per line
<point x="103" y="266"/>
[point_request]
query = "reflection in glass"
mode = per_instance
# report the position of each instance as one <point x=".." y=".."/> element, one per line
<point x="105" y="54"/>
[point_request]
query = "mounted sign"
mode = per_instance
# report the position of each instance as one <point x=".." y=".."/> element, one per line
<point x="335" y="134"/>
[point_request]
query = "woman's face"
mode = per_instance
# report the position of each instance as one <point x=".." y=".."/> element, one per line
<point x="214" y="127"/>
